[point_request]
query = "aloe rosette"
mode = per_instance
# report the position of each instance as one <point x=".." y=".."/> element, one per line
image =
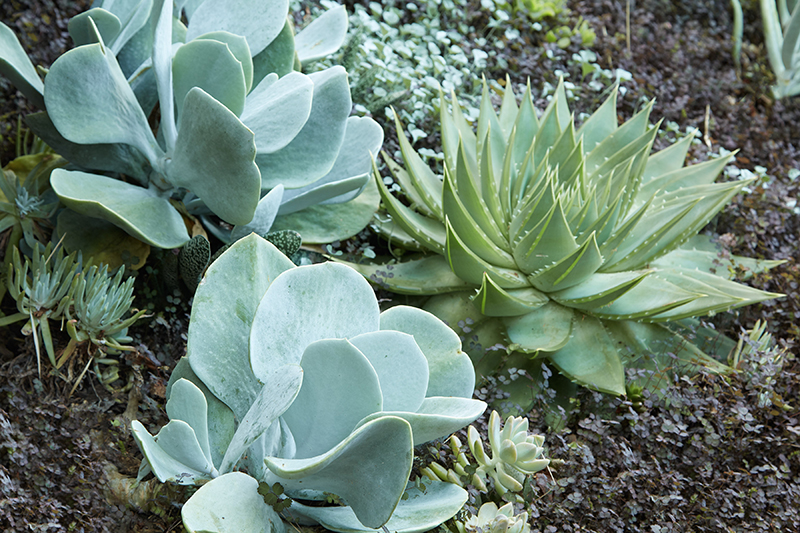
<point x="571" y="244"/>
<point x="295" y="374"/>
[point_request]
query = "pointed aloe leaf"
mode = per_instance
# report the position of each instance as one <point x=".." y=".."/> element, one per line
<point x="331" y="222"/>
<point x="450" y="371"/>
<point x="690" y="210"/>
<point x="590" y="357"/>
<point x="667" y="160"/>
<point x="82" y="32"/>
<point x="138" y="211"/>
<point x="684" y="178"/>
<point x="423" y="510"/>
<point x="210" y="65"/>
<point x="350" y="173"/>
<point x="258" y="22"/>
<point x="437" y="417"/>
<point x="471" y="268"/>
<point x="275" y="397"/>
<point x="601" y="124"/>
<point x="468" y="190"/>
<point x="619" y="139"/>
<point x="491" y="142"/>
<point x="571" y="270"/>
<point x="494" y="301"/>
<point x="546" y="328"/>
<point x="658" y="350"/>
<point x="701" y="254"/>
<point x="15" y="65"/>
<point x="230" y="504"/>
<point x="508" y="109"/>
<point x="717" y="294"/>
<point x="599" y="289"/>
<point x="526" y="127"/>
<point x="220" y="423"/>
<point x="89" y="101"/>
<point x="427" y="231"/>
<point x="400" y="365"/>
<point x="386" y="441"/>
<point x="340" y="387"/>
<point x="428" y="275"/>
<point x="546" y="243"/>
<point x="418" y="180"/>
<point x="306" y="304"/>
<point x="265" y="214"/>
<point x="278" y="57"/>
<point x="471" y="231"/>
<point x="651" y="296"/>
<point x="323" y="36"/>
<point x="175" y="456"/>
<point x="187" y="403"/>
<point x="276" y="110"/>
<point x="313" y="151"/>
<point x="790" y="40"/>
<point x="214" y="159"/>
<point x="218" y="350"/>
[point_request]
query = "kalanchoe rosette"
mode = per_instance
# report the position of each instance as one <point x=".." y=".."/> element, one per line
<point x="573" y="244"/>
<point x="297" y="369"/>
<point x="233" y="120"/>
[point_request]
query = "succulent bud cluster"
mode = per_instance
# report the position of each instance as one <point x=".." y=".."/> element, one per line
<point x="490" y="519"/>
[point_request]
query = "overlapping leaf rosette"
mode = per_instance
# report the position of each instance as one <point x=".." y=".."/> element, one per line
<point x="203" y="118"/>
<point x="296" y="375"/>
<point x="574" y="245"/>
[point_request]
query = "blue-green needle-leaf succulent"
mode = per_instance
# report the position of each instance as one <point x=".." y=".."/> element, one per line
<point x="295" y="374"/>
<point x="570" y="244"/>
<point x="42" y="287"/>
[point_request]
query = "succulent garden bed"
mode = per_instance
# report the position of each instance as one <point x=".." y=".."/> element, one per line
<point x="703" y="451"/>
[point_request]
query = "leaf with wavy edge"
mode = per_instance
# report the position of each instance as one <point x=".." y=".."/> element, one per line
<point x="82" y="31"/>
<point x="278" y="57"/>
<point x="230" y="504"/>
<point x="138" y="211"/>
<point x="218" y="350"/>
<point x="340" y="387"/>
<point x="176" y="456"/>
<point x="400" y="365"/>
<point x="422" y="511"/>
<point x="214" y="158"/>
<point x="437" y="417"/>
<point x="546" y="328"/>
<point x="450" y="372"/>
<point x="306" y="304"/>
<point x="277" y="109"/>
<point x="386" y="441"/>
<point x="258" y="22"/>
<point x="187" y="403"/>
<point x="590" y="357"/>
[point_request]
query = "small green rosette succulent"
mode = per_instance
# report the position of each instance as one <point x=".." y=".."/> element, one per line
<point x="569" y="245"/>
<point x="490" y="519"/>
<point x="295" y="374"/>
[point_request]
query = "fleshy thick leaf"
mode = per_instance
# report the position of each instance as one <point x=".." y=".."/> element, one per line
<point x="218" y="350"/>
<point x="450" y="370"/>
<point x="214" y="157"/>
<point x="277" y="110"/>
<point x="257" y="21"/>
<point x="547" y="328"/>
<point x="386" y="441"/>
<point x="136" y="210"/>
<point x="306" y="304"/>
<point x="15" y="65"/>
<point x="323" y="36"/>
<point x="340" y="387"/>
<point x="428" y="275"/>
<point x="230" y="504"/>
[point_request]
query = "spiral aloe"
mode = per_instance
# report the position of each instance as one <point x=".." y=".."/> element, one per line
<point x="573" y="244"/>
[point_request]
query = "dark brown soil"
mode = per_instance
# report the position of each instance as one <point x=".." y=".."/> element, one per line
<point x="58" y="454"/>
